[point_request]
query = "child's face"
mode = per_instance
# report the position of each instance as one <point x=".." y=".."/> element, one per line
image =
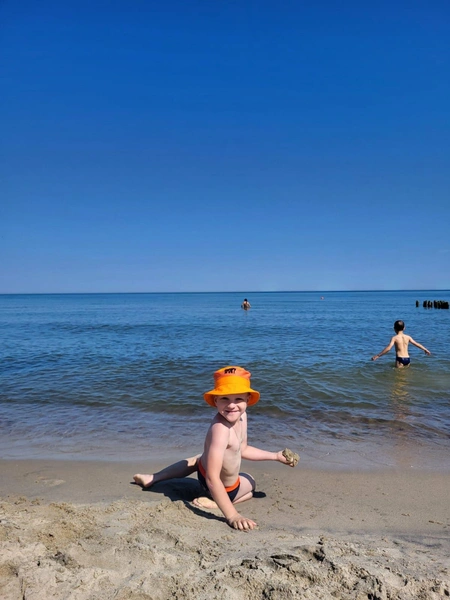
<point x="232" y="407"/>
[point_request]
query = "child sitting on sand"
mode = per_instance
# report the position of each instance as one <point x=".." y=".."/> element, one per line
<point x="401" y="341"/>
<point x="225" y="445"/>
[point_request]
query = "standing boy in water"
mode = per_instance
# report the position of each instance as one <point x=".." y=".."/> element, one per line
<point x="225" y="445"/>
<point x="246" y="304"/>
<point x="401" y="341"/>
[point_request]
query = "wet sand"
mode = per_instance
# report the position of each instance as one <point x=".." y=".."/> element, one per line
<point x="81" y="530"/>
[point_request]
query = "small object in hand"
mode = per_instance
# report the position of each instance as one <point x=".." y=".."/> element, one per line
<point x="291" y="457"/>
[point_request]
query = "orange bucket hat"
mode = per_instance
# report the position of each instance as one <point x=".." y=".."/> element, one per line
<point x="231" y="380"/>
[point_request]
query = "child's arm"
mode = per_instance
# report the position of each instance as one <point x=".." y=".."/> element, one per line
<point x="213" y="458"/>
<point x="252" y="453"/>
<point x="388" y="347"/>
<point x="419" y="346"/>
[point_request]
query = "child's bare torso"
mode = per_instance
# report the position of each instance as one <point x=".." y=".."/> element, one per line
<point x="401" y="342"/>
<point x="232" y="454"/>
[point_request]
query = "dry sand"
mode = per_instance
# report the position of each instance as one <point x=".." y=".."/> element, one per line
<point x="80" y="530"/>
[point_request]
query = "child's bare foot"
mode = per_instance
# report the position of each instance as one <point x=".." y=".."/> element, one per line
<point x="144" y="481"/>
<point x="204" y="502"/>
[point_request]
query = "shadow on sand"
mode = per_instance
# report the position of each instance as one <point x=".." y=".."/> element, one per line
<point x="186" y="490"/>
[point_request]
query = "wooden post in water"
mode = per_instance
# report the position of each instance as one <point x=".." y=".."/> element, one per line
<point x="434" y="304"/>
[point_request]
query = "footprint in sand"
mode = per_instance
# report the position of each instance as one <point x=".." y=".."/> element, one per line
<point x="50" y="482"/>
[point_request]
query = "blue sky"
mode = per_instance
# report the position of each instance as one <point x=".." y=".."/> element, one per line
<point x="224" y="146"/>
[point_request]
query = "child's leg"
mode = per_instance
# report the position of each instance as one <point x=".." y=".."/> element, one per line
<point x="246" y="489"/>
<point x="180" y="469"/>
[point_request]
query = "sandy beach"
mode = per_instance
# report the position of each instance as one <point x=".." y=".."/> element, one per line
<point x="81" y="530"/>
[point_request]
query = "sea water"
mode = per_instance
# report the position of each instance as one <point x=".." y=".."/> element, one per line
<point x="122" y="376"/>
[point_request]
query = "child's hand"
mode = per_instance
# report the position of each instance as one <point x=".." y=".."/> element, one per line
<point x="240" y="522"/>
<point x="427" y="352"/>
<point x="288" y="457"/>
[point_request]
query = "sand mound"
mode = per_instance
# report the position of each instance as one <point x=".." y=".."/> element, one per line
<point x="154" y="551"/>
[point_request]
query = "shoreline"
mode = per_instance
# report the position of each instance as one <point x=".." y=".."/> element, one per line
<point x="385" y="491"/>
<point x="364" y="456"/>
<point x="80" y="529"/>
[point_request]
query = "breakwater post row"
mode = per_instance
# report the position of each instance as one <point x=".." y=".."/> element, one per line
<point x="433" y="304"/>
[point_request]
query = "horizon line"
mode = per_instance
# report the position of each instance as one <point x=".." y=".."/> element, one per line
<point x="223" y="292"/>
